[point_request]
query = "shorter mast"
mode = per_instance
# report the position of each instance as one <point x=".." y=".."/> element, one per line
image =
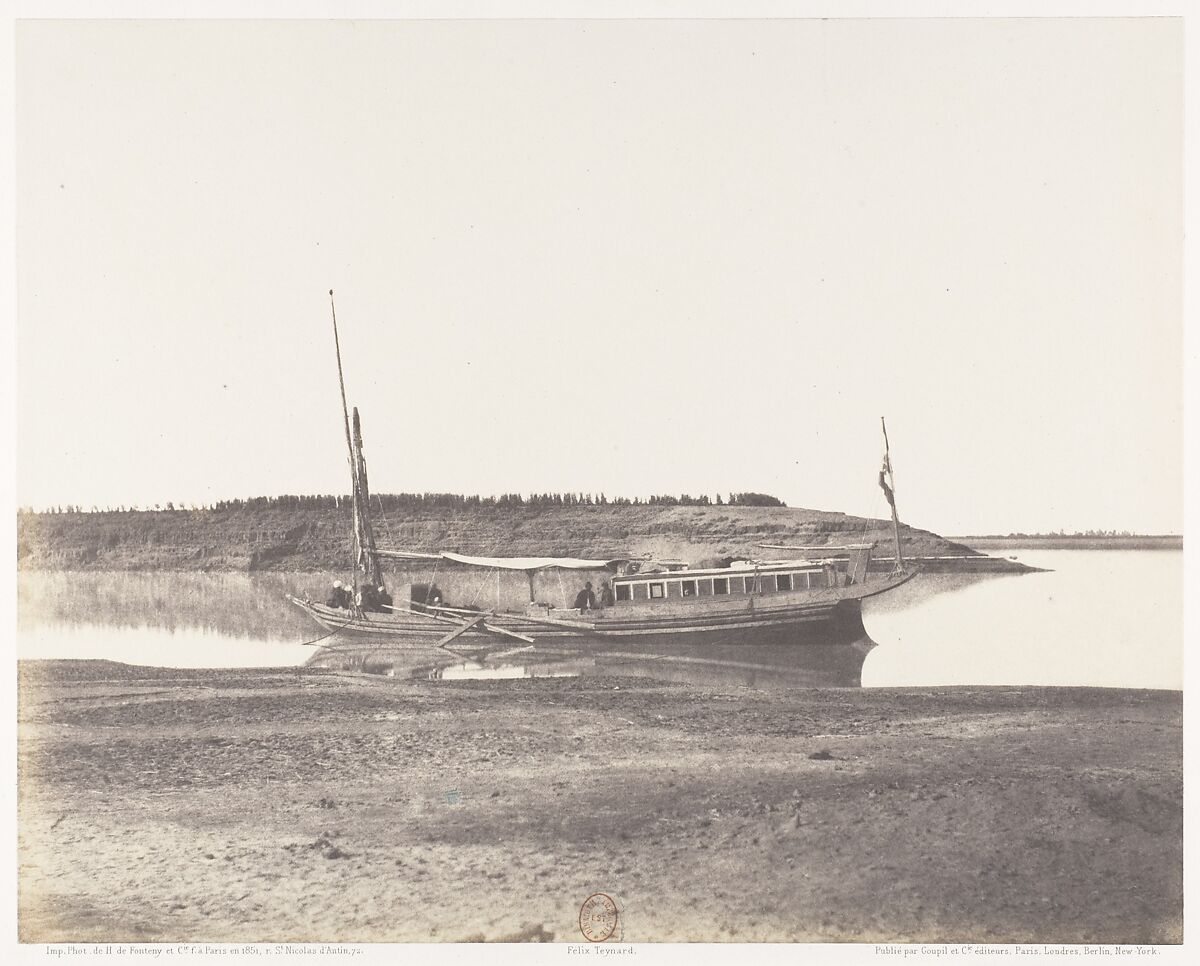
<point x="368" y="559"/>
<point x="887" y="481"/>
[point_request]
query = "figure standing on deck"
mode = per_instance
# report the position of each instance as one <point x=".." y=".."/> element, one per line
<point x="426" y="594"/>
<point x="606" y="594"/>
<point x="339" y="596"/>
<point x="586" y="599"/>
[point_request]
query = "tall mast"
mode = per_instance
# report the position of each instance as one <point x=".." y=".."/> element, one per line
<point x="365" y="559"/>
<point x="337" y="346"/>
<point x="889" y="490"/>
<point x="349" y="446"/>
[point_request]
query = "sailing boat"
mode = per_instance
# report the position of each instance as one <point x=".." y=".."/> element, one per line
<point x="814" y="595"/>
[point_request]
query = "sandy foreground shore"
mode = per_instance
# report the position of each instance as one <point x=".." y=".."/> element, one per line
<point x="162" y="805"/>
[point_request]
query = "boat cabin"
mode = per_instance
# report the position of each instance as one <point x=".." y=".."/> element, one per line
<point x="773" y="578"/>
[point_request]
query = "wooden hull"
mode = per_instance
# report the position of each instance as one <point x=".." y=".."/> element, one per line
<point x="784" y="618"/>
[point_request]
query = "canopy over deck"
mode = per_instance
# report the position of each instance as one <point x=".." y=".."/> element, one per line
<point x="817" y="548"/>
<point x="507" y="563"/>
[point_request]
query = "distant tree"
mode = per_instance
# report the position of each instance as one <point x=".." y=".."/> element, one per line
<point x="754" y="499"/>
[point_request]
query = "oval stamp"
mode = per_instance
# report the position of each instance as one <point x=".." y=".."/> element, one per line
<point x="598" y="917"/>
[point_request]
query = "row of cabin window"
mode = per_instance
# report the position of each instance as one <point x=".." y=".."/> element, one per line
<point x="718" y="586"/>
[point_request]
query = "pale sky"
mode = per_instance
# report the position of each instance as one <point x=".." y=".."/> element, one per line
<point x="621" y="256"/>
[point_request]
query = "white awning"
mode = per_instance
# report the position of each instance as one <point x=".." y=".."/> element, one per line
<point x="817" y="547"/>
<point x="528" y="563"/>
<point x="505" y="563"/>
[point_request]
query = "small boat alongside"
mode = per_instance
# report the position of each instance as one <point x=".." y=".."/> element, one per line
<point x="810" y="599"/>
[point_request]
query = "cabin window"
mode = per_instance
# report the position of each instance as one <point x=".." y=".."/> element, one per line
<point x="704" y="587"/>
<point x="622" y="592"/>
<point x="753" y="584"/>
<point x="784" y="581"/>
<point x="688" y="587"/>
<point x="720" y="585"/>
<point x="657" y="591"/>
<point x="816" y="579"/>
<point x="639" y="592"/>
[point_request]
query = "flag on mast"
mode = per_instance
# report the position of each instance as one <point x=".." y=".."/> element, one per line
<point x="886" y="481"/>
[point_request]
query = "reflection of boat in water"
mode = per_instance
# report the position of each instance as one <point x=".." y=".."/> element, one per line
<point x="822" y="660"/>
<point x="811" y="599"/>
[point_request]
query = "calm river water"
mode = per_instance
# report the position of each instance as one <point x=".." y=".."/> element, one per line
<point x="1102" y="618"/>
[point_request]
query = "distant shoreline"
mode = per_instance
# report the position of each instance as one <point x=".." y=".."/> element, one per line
<point x="1063" y="542"/>
<point x="318" y="538"/>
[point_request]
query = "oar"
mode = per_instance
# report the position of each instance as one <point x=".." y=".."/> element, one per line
<point x="449" y="620"/>
<point x="579" y="626"/>
<point x="487" y="627"/>
<point x="507" y="633"/>
<point x="462" y="628"/>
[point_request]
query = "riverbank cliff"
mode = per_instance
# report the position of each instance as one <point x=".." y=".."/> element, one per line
<point x="298" y="538"/>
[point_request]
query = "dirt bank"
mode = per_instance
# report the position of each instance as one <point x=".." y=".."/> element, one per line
<point x="295" y="539"/>
<point x="308" y="805"/>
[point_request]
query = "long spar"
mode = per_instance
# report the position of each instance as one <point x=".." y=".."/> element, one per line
<point x="349" y="444"/>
